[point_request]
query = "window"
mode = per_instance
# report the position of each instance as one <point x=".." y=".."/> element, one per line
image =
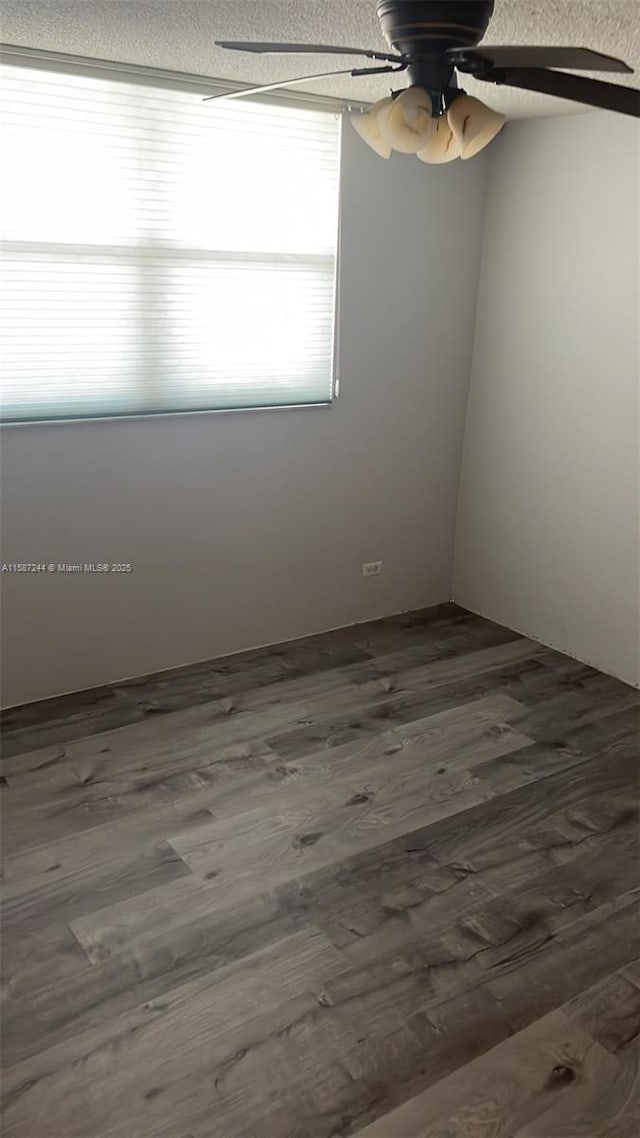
<point x="161" y="253"/>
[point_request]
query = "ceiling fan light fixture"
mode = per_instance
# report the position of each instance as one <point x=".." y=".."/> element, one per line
<point x="441" y="146"/>
<point x="366" y="124"/>
<point x="473" y="124"/>
<point x="407" y="124"/>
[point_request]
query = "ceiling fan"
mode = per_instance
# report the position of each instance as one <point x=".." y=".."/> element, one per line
<point x="433" y="41"/>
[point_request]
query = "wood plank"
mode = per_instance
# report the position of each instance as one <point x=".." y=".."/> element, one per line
<point x="524" y="680"/>
<point x="445" y="1035"/>
<point x="610" y="1011"/>
<point x="93" y="711"/>
<point x="588" y="800"/>
<point x="64" y="717"/>
<point x="214" y="1066"/>
<point x="479" y="730"/>
<point x="187" y="935"/>
<point x="555" y="812"/>
<point x="88" y="764"/>
<point x="124" y="750"/>
<point x="578" y="702"/>
<point x="499" y="841"/>
<point x="44" y="864"/>
<point x="422" y="667"/>
<point x="35" y="929"/>
<point x="613" y="734"/>
<point x="56" y="1010"/>
<point x="87" y="713"/>
<point x="436" y="623"/>
<point x="276" y="842"/>
<point x="211" y="1023"/>
<point x="545" y="1081"/>
<point x="314" y="882"/>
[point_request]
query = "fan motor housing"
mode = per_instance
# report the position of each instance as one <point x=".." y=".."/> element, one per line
<point x="424" y="30"/>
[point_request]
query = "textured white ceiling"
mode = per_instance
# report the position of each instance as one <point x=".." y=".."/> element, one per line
<point x="179" y="35"/>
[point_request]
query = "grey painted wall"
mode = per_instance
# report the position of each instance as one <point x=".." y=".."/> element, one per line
<point x="547" y="534"/>
<point x="251" y="528"/>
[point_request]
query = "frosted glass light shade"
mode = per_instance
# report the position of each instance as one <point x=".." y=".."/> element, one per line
<point x="473" y="124"/>
<point x="441" y="146"/>
<point x="367" y="127"/>
<point x="407" y="124"/>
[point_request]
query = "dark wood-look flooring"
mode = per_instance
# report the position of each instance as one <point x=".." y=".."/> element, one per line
<point x="381" y="881"/>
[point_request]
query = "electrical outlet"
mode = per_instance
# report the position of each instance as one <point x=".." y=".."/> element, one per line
<point x="371" y="568"/>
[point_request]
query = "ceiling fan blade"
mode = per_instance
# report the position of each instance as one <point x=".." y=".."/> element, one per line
<point x="302" y="49"/>
<point x="592" y="92"/>
<point x="247" y="91"/>
<point x="566" y="58"/>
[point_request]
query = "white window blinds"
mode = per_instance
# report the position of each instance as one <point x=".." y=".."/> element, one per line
<point x="160" y="253"/>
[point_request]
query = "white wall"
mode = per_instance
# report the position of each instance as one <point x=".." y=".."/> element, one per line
<point x="251" y="528"/>
<point x="547" y="534"/>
